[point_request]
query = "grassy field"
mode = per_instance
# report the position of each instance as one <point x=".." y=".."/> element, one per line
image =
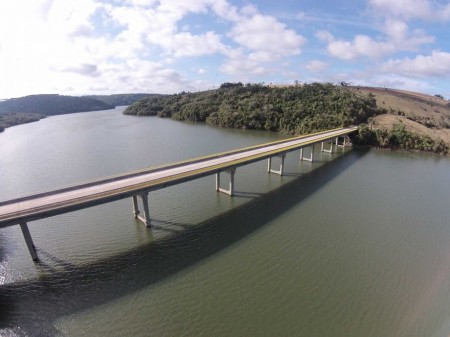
<point x="420" y="113"/>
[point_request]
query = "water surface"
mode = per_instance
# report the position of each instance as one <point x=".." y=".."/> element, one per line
<point x="355" y="244"/>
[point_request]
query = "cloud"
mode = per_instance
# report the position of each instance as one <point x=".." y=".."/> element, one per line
<point x="437" y="64"/>
<point x="186" y="44"/>
<point x="324" y="36"/>
<point x="83" y="69"/>
<point x="263" y="40"/>
<point x="242" y="66"/>
<point x="398" y="37"/>
<point x="263" y="33"/>
<point x="316" y="66"/>
<point x="412" y="9"/>
<point x="361" y="46"/>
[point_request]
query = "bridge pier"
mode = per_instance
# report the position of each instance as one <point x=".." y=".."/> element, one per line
<point x="29" y="241"/>
<point x="330" y="150"/>
<point x="310" y="159"/>
<point x="281" y="170"/>
<point x="230" y="190"/>
<point x="136" y="212"/>
<point x="344" y="141"/>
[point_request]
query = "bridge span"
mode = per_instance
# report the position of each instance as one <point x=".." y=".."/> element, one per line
<point x="138" y="184"/>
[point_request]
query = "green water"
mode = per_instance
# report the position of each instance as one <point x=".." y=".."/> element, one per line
<point x="355" y="244"/>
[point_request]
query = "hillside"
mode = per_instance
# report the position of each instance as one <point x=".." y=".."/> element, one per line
<point x="120" y="99"/>
<point x="294" y="110"/>
<point x="52" y="104"/>
<point x="16" y="118"/>
<point x="396" y="119"/>
<point x="419" y="113"/>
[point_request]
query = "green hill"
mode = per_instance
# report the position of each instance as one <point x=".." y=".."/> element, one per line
<point x="16" y="118"/>
<point x="313" y="107"/>
<point x="52" y="104"/>
<point x="120" y="99"/>
<point x="294" y="109"/>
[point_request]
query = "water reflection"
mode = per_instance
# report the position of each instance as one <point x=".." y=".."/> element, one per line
<point x="32" y="307"/>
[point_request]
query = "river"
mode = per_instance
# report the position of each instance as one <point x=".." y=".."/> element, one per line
<point x="355" y="244"/>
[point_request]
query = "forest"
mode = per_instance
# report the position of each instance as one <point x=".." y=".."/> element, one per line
<point x="299" y="109"/>
<point x="398" y="138"/>
<point x="294" y="110"/>
<point x="52" y="104"/>
<point x="119" y="99"/>
<point x="16" y="118"/>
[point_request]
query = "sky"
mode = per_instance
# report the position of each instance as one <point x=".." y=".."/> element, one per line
<point x="79" y="47"/>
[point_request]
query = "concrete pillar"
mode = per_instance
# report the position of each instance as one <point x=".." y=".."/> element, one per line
<point x="310" y="159"/>
<point x="230" y="190"/>
<point x="344" y="141"/>
<point x="330" y="150"/>
<point x="281" y="170"/>
<point x="29" y="241"/>
<point x="145" y="219"/>
<point x="146" y="210"/>
<point x="135" y="207"/>
<point x="217" y="181"/>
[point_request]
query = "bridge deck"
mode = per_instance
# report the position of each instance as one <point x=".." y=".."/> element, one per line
<point x="13" y="212"/>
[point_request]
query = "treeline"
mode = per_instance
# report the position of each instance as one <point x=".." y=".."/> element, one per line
<point x="398" y="138"/>
<point x="295" y="110"/>
<point x="119" y="99"/>
<point x="16" y="118"/>
<point x="52" y="104"/>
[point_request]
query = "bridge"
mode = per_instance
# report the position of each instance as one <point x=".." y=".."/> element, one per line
<point x="137" y="185"/>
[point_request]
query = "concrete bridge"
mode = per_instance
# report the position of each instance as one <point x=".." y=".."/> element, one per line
<point x="138" y="184"/>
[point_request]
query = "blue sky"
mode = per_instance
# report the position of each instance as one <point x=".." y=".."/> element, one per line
<point x="78" y="47"/>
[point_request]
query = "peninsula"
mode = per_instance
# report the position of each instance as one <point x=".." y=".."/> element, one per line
<point x="386" y="117"/>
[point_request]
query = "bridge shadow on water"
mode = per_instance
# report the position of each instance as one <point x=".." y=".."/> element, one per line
<point x="35" y="305"/>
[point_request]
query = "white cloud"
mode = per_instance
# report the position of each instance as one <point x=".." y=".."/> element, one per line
<point x="225" y="11"/>
<point x="316" y="66"/>
<point x="132" y="45"/>
<point x="398" y="38"/>
<point x="361" y="46"/>
<point x="324" y="36"/>
<point x="412" y="9"/>
<point x="186" y="44"/>
<point x="262" y="33"/>
<point x="241" y="66"/>
<point x="437" y="64"/>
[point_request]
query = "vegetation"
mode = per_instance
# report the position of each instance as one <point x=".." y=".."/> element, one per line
<point x="294" y="110"/>
<point x="52" y="104"/>
<point x="398" y="138"/>
<point x="119" y="99"/>
<point x="16" y="118"/>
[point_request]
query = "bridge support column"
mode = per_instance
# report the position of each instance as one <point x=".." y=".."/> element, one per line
<point x="330" y="150"/>
<point x="310" y="159"/>
<point x="29" y="241"/>
<point x="230" y="190"/>
<point x="281" y="170"/>
<point x="345" y="140"/>
<point x="137" y="213"/>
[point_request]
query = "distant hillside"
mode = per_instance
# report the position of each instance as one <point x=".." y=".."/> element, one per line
<point x="120" y="99"/>
<point x="420" y="113"/>
<point x="396" y="119"/>
<point x="52" y="104"/>
<point x="295" y="109"/>
<point x="16" y="118"/>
